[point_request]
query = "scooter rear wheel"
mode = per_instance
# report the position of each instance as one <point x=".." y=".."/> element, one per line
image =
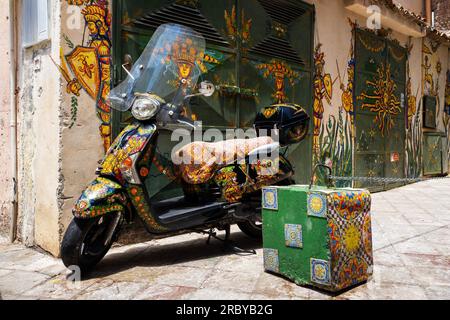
<point x="253" y="229"/>
<point x="86" y="242"/>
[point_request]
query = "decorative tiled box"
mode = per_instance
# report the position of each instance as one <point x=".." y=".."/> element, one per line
<point x="320" y="237"/>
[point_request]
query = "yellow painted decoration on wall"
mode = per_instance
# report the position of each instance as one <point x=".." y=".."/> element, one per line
<point x="323" y="89"/>
<point x="90" y="63"/>
<point x="232" y="26"/>
<point x="382" y="99"/>
<point x="280" y="72"/>
<point x="85" y="66"/>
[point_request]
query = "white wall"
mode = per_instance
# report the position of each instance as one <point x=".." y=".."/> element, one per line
<point x="38" y="139"/>
<point x="5" y="148"/>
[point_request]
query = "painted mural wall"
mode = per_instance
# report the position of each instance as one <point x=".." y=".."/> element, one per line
<point x="85" y="67"/>
<point x="434" y="82"/>
<point x="65" y="83"/>
<point x="414" y="136"/>
<point x="84" y="64"/>
<point x="334" y="108"/>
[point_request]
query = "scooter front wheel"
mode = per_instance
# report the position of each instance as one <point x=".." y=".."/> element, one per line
<point x="86" y="242"/>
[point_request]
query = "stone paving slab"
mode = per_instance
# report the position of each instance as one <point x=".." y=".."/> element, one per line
<point x="411" y="238"/>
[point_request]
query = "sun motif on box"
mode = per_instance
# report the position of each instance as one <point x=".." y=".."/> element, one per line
<point x="271" y="260"/>
<point x="317" y="205"/>
<point x="270" y="199"/>
<point x="352" y="238"/>
<point x="320" y="271"/>
<point x="293" y="235"/>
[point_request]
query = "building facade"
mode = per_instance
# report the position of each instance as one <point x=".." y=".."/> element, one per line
<point x="371" y="73"/>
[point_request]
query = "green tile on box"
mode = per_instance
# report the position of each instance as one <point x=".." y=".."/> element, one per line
<point x="320" y="237"/>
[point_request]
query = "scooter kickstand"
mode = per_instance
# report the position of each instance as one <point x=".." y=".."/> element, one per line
<point x="211" y="234"/>
<point x="229" y="244"/>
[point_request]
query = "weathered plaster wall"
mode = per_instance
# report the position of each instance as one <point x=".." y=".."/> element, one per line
<point x="5" y="148"/>
<point x="38" y="139"/>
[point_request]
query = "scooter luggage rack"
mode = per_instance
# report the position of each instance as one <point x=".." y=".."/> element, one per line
<point x="228" y="244"/>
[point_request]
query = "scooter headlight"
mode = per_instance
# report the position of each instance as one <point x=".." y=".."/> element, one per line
<point x="145" y="107"/>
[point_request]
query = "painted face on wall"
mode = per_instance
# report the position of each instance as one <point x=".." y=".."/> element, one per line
<point x="184" y="69"/>
<point x="92" y="28"/>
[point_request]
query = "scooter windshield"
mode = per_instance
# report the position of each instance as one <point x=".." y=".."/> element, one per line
<point x="169" y="67"/>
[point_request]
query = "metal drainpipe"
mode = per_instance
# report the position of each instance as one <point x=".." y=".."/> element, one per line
<point x="428" y="11"/>
<point x="13" y="115"/>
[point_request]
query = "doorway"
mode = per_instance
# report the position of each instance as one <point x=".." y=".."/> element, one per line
<point x="380" y="100"/>
<point x="259" y="52"/>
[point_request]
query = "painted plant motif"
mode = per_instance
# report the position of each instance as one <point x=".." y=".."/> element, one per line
<point x="90" y="63"/>
<point x="233" y="28"/>
<point x="323" y="89"/>
<point x="336" y="148"/>
<point x="281" y="74"/>
<point x="382" y="98"/>
<point x="414" y="127"/>
<point x="337" y="133"/>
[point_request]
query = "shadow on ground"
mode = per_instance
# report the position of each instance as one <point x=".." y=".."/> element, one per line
<point x="157" y="255"/>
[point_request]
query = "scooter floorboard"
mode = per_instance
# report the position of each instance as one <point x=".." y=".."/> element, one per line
<point x="178" y="211"/>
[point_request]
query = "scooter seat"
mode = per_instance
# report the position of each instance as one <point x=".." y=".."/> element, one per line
<point x="198" y="161"/>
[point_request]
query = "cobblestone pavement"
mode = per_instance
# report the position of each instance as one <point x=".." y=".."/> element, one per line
<point x="411" y="233"/>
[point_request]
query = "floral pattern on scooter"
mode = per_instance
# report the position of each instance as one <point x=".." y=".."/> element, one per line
<point x="132" y="140"/>
<point x="99" y="198"/>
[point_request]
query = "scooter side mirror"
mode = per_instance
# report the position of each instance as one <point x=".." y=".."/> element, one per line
<point x="207" y="88"/>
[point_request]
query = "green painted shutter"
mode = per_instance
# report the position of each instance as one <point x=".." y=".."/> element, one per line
<point x="243" y="36"/>
<point x="380" y="82"/>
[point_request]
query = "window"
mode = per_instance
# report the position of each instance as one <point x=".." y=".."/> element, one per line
<point x="34" y="21"/>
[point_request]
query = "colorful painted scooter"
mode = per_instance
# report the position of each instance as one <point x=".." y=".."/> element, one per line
<point x="220" y="184"/>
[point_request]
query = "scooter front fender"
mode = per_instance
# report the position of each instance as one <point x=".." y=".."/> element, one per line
<point x="101" y="197"/>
